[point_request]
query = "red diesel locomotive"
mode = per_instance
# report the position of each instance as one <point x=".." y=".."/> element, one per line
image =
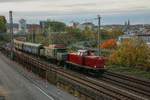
<point x="87" y="60"/>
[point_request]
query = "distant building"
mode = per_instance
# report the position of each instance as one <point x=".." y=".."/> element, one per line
<point x="33" y="28"/>
<point x="22" y="26"/>
<point x="123" y="38"/>
<point x="127" y="29"/>
<point x="15" y="28"/>
<point x="86" y="25"/>
<point x="144" y="37"/>
<point x="74" y="24"/>
<point x="43" y="24"/>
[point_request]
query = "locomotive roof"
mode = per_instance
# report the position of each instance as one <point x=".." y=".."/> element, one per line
<point x="33" y="44"/>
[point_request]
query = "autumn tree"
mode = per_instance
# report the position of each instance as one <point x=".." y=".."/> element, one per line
<point x="109" y="44"/>
<point x="133" y="52"/>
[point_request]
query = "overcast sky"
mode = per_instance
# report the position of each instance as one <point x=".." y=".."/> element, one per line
<point x="112" y="11"/>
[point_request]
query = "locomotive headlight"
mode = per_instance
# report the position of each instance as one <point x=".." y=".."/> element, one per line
<point x="104" y="66"/>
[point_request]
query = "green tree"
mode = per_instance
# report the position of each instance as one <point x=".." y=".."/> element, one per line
<point x="89" y="34"/>
<point x="3" y="22"/>
<point x="111" y="33"/>
<point x="114" y="33"/>
<point x="105" y="35"/>
<point x="75" y="32"/>
<point x="55" y="26"/>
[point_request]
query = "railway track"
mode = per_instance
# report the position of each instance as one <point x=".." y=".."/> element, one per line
<point x="100" y="88"/>
<point x="108" y="89"/>
<point x="111" y="85"/>
<point x="131" y="84"/>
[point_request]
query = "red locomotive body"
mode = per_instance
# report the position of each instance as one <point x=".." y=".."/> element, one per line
<point x="86" y="61"/>
<point x="74" y="58"/>
<point x="94" y="62"/>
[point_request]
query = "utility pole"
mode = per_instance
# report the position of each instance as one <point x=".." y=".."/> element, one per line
<point x="26" y="37"/>
<point x="33" y="36"/>
<point x="99" y="32"/>
<point x="11" y="32"/>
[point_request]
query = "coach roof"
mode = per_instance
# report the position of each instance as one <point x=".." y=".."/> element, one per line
<point x="32" y="44"/>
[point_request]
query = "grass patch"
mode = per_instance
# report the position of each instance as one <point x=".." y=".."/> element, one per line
<point x="132" y="71"/>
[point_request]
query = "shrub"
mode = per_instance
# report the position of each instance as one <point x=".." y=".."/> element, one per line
<point x="133" y="52"/>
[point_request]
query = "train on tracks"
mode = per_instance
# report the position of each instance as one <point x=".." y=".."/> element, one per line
<point x="84" y="60"/>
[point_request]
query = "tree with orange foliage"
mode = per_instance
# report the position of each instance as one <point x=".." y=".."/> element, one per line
<point x="133" y="52"/>
<point x="109" y="44"/>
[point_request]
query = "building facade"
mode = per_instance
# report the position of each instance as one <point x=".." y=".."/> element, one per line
<point x="22" y="26"/>
<point x="88" y="25"/>
<point x="15" y="28"/>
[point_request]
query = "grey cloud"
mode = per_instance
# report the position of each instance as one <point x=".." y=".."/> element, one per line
<point x="81" y="12"/>
<point x="81" y="4"/>
<point x="35" y="17"/>
<point x="90" y="4"/>
<point x="15" y="0"/>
